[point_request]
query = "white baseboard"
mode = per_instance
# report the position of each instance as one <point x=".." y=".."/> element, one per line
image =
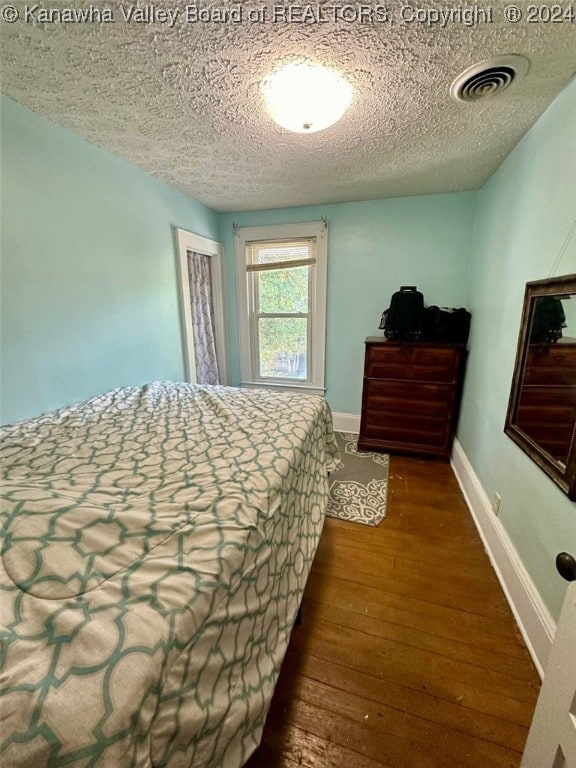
<point x="346" y="422"/>
<point x="533" y="618"/>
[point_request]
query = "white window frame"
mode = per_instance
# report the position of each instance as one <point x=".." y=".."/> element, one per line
<point x="316" y="365"/>
<point x="189" y="241"/>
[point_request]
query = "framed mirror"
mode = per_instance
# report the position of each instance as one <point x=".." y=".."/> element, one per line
<point x="541" y="415"/>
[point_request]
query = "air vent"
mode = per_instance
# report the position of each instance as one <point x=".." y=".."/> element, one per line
<point x="488" y="78"/>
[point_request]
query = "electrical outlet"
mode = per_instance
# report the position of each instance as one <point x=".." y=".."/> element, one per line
<point x="496" y="503"/>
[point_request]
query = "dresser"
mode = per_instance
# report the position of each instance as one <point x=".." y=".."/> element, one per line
<point x="410" y="396"/>
<point x="547" y="402"/>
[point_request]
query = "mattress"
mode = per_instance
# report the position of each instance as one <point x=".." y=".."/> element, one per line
<point x="156" y="545"/>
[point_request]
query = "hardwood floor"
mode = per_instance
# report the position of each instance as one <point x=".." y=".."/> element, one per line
<point x="408" y="655"/>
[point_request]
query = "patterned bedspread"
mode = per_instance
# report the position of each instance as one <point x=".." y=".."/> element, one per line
<point x="156" y="544"/>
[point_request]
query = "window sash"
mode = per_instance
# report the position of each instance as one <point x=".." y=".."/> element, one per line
<point x="279" y="265"/>
<point x="260" y="286"/>
<point x="256" y="315"/>
<point x="259" y="374"/>
<point x="303" y="250"/>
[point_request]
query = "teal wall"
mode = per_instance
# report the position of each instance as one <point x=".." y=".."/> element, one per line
<point x="526" y="213"/>
<point x="373" y="248"/>
<point x="89" y="296"/>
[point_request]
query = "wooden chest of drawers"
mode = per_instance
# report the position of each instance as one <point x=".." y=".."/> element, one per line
<point x="547" y="403"/>
<point x="410" y="396"/>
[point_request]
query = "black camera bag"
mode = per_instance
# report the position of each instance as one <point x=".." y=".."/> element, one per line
<point x="404" y="319"/>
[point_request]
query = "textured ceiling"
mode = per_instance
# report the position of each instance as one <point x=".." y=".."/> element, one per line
<point x="182" y="100"/>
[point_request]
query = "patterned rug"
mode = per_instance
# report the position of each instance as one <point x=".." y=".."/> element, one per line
<point x="359" y="485"/>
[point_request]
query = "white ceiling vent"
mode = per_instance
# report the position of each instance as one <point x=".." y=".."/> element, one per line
<point x="488" y="78"/>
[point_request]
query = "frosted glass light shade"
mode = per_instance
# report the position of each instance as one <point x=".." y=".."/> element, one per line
<point x="305" y="98"/>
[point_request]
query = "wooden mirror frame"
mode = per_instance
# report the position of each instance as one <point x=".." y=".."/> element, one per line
<point x="564" y="475"/>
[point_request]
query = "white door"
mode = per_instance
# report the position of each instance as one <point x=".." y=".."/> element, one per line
<point x="552" y="739"/>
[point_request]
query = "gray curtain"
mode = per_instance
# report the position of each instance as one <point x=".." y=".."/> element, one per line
<point x="202" y="318"/>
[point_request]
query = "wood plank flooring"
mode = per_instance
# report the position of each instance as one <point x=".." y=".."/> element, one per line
<point x="408" y="655"/>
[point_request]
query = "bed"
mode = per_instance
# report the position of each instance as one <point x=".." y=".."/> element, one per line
<point x="156" y="544"/>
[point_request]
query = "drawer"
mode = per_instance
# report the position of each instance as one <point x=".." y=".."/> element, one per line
<point x="408" y="397"/>
<point x="412" y="354"/>
<point x="540" y="430"/>
<point x="548" y="397"/>
<point x="411" y="372"/>
<point x="403" y="428"/>
<point x="556" y="355"/>
<point x="404" y="362"/>
<point x="554" y="437"/>
<point x="548" y="374"/>
<point x="550" y="415"/>
<point x="553" y="364"/>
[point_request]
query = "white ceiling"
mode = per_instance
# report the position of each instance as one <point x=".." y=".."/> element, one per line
<point x="183" y="101"/>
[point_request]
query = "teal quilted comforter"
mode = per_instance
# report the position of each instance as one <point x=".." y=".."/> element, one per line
<point x="156" y="544"/>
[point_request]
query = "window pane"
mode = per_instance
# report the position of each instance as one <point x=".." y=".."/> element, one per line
<point x="283" y="343"/>
<point x="283" y="290"/>
<point x="270" y="253"/>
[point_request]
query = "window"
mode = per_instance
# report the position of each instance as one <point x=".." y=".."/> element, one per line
<point x="282" y="305"/>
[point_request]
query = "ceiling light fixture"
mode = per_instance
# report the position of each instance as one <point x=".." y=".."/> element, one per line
<point x="305" y="98"/>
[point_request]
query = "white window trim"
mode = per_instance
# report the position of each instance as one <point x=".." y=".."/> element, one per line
<point x="189" y="241"/>
<point x="317" y="229"/>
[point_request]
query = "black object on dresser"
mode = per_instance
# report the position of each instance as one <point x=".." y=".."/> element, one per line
<point x="410" y="396"/>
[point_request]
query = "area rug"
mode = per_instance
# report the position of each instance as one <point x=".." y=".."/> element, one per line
<point x="359" y="485"/>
